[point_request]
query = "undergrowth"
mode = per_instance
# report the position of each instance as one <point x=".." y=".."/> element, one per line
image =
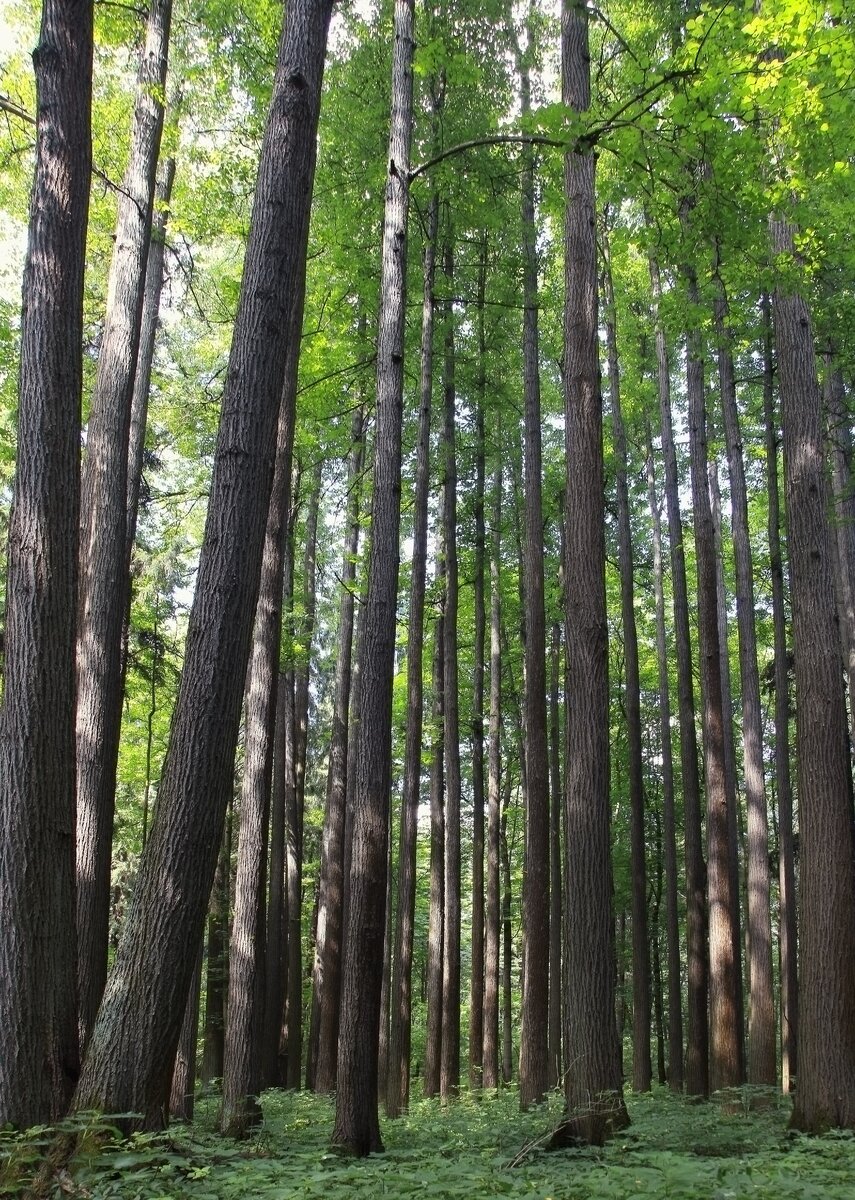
<point x="478" y="1147"/>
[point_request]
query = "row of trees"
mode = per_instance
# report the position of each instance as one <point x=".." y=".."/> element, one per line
<point x="697" y="240"/>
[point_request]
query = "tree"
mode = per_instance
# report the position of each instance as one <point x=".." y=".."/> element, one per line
<point x="129" y="1062"/>
<point x="38" y="990"/>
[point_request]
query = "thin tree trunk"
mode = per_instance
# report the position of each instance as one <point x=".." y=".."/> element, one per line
<point x="555" y="865"/>
<point x="839" y="437"/>
<point x="433" y="1036"/>
<point x="182" y="1095"/>
<point x="128" y="1066"/>
<point x="104" y="578"/>
<point x="398" y="1087"/>
<point x="675" y="1000"/>
<point x="507" y="940"/>
<point x="658" y="1006"/>
<point x="386" y="985"/>
<point x="357" y="1128"/>
<point x="449" y="1077"/>
<point x="641" y="1014"/>
<point x="594" y="1084"/>
<point x="494" y="773"/>
<point x="38" y="957"/>
<point x="697" y="1048"/>
<point x="826" y="1078"/>
<point x="217" y="972"/>
<point x="327" y="970"/>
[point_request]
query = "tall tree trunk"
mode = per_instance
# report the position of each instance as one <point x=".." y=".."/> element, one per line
<point x="436" y="914"/>
<point x="725" y="1035"/>
<point x="656" y="965"/>
<point x="38" y="961"/>
<point x="217" y="969"/>
<point x="555" y="864"/>
<point x="826" y="1087"/>
<point x="327" y="970"/>
<point x="357" y="1127"/>
<point x="840" y="453"/>
<point x="762" y="1066"/>
<point x="697" y="1047"/>
<point x="129" y="1062"/>
<point x="476" y="991"/>
<point x="449" y="1076"/>
<point x="242" y="1068"/>
<point x="182" y="1094"/>
<point x="641" y="1014"/>
<point x="507" y="940"/>
<point x="675" y="1000"/>
<point x="594" y="1084"/>
<point x="494" y="780"/>
<point x="104" y="579"/>
<point x="534" y="1021"/>
<point x="398" y="1086"/>
<point x="786" y="856"/>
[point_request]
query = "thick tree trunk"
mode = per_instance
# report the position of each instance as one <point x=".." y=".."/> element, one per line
<point x="641" y="1014"/>
<point x="104" y="579"/>
<point x="449" y="1076"/>
<point x="398" y="1086"/>
<point x="494" y="779"/>
<point x="327" y="969"/>
<point x="826" y="1079"/>
<point x="433" y="1034"/>
<point x="675" y="1000"/>
<point x="38" y="961"/>
<point x="357" y="1128"/>
<point x="534" y="1020"/>
<point x="783" y="788"/>
<point x="129" y="1062"/>
<point x="697" y="1048"/>
<point x="594" y="1085"/>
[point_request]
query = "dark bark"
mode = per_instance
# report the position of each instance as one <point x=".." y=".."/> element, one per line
<point x="697" y="1046"/>
<point x="826" y="1080"/>
<point x="38" y="961"/>
<point x="398" y="1086"/>
<point x="593" y="1087"/>
<point x="357" y="1128"/>
<point x="182" y="1094"/>
<point x="449" y="1075"/>
<point x="494" y="772"/>
<point x="433" y="1034"/>
<point x="128" y="1065"/>
<point x="839" y="437"/>
<point x="641" y="1014"/>
<point x="507" y="940"/>
<point x="555" y="806"/>
<point x="217" y="968"/>
<point x="327" y="970"/>
<point x="675" y="1001"/>
<point x="104" y="578"/>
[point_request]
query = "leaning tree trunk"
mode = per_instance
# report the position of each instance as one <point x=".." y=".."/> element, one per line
<point x="242" y="1068"/>
<point x="38" y="986"/>
<point x="641" y="1013"/>
<point x="594" y="1085"/>
<point x="398" y="1084"/>
<point x="826" y="1080"/>
<point x="129" y="1062"/>
<point x="104" y="578"/>
<point x="357" y="1127"/>
<point x="217" y="963"/>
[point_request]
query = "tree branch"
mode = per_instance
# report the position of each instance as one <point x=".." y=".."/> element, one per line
<point x="9" y="106"/>
<point x="498" y="139"/>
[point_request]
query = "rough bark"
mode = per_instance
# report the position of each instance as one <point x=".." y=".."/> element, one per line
<point x="182" y="1093"/>
<point x="826" y="1080"/>
<point x="593" y="1086"/>
<point x="839" y="437"/>
<point x="672" y="924"/>
<point x="104" y="578"/>
<point x="38" y="987"/>
<point x="217" y="964"/>
<point x="398" y="1085"/>
<point x="555" y="863"/>
<point x="507" y="940"/>
<point x="697" y="1045"/>
<point x="327" y="968"/>
<point x="433" y="1034"/>
<point x="494" y="779"/>
<point x="128" y="1065"/>
<point x="641" y="1011"/>
<point x="357" y="1128"/>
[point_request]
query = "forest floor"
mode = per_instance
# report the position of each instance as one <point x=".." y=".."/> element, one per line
<point x="475" y="1149"/>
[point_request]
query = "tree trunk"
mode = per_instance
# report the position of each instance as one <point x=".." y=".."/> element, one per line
<point x="129" y="1062"/>
<point x="449" y="1076"/>
<point x="182" y="1095"/>
<point x="357" y="1128"/>
<point x="38" y="962"/>
<point x="826" y="1079"/>
<point x="675" y="1000"/>
<point x="786" y="856"/>
<point x="217" y="970"/>
<point x="327" y="971"/>
<point x="697" y="1048"/>
<point x="494" y="781"/>
<point x="398" y="1086"/>
<point x="594" y="1084"/>
<point x="839" y="437"/>
<point x="534" y="1021"/>
<point x="104" y="579"/>
<point x="507" y="940"/>
<point x="555" y="865"/>
<point x="433" y="1035"/>
<point x="641" y="1014"/>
